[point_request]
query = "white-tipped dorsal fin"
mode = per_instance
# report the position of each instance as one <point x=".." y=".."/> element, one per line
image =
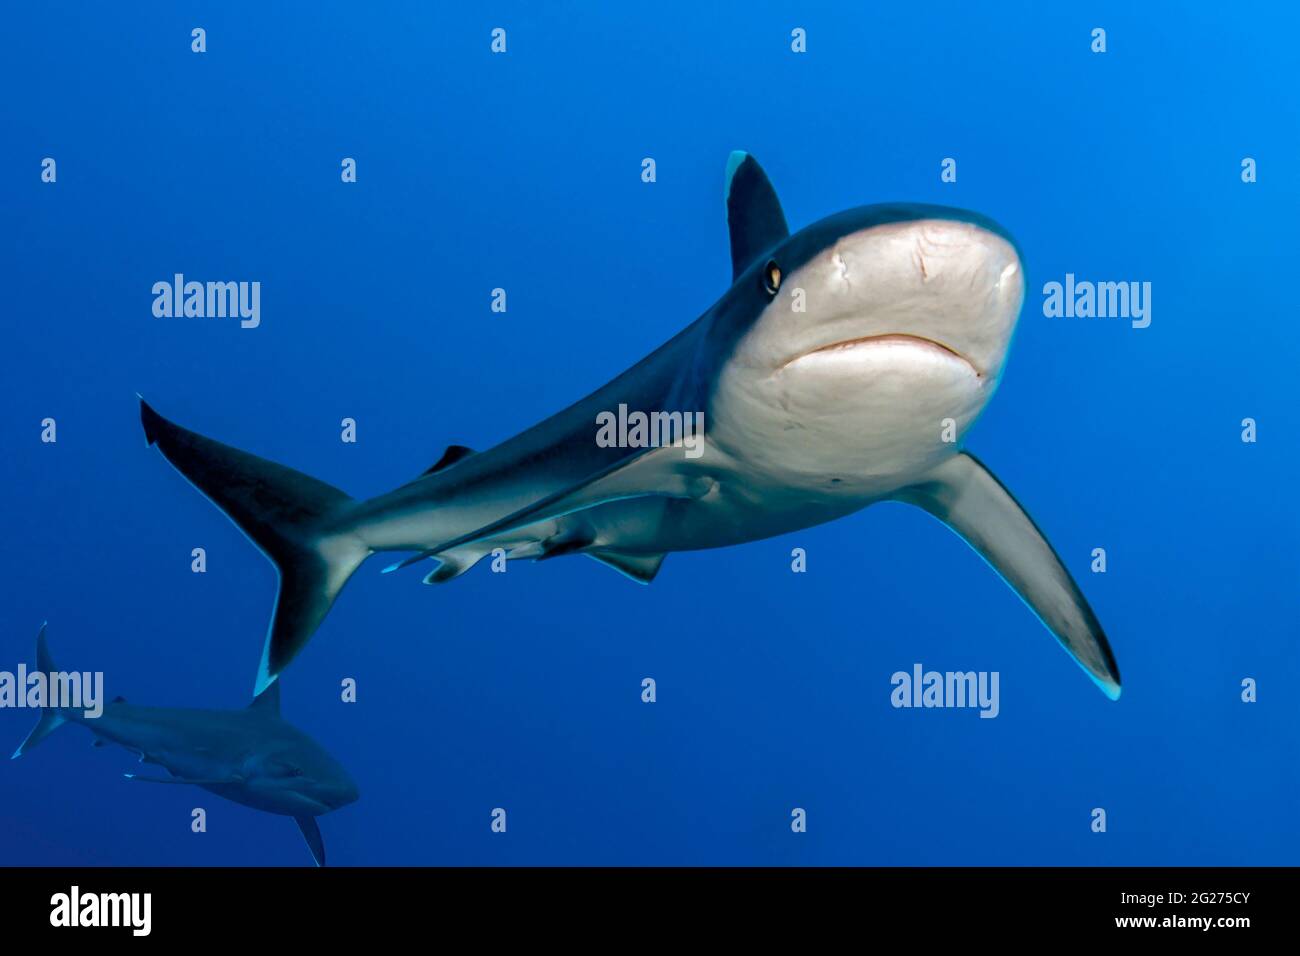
<point x="754" y="216"/>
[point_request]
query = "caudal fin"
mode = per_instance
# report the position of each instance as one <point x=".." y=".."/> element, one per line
<point x="51" y="718"/>
<point x="291" y="517"/>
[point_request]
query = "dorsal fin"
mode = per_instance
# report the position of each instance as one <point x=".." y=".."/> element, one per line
<point x="754" y="215"/>
<point x="268" y="701"/>
<point x="453" y="454"/>
<point x="119" y="699"/>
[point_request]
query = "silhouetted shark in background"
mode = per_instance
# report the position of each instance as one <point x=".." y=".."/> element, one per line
<point x="853" y="388"/>
<point x="250" y="756"/>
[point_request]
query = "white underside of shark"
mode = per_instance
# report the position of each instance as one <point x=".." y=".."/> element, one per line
<point x="842" y="368"/>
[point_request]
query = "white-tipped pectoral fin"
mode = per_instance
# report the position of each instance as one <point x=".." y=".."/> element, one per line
<point x="965" y="496"/>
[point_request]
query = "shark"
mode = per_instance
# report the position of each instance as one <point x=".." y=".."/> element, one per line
<point x="250" y="756"/>
<point x="842" y="367"/>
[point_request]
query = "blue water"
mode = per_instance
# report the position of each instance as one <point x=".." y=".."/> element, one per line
<point x="522" y="171"/>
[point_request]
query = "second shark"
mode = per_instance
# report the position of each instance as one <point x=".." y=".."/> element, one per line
<point x="251" y="756"/>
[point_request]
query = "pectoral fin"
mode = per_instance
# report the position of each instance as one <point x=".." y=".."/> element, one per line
<point x="311" y="833"/>
<point x="965" y="496"/>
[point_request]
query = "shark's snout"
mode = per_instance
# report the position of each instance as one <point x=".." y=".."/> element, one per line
<point x="332" y="789"/>
<point x="932" y="291"/>
<point x="940" y="283"/>
<point x="341" y="793"/>
<point x="896" y="321"/>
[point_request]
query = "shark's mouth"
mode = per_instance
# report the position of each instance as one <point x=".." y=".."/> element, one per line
<point x="900" y="338"/>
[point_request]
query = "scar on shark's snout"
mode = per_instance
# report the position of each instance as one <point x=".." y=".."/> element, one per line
<point x="838" y="261"/>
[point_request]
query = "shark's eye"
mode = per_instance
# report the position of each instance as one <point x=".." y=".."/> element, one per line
<point x="771" y="277"/>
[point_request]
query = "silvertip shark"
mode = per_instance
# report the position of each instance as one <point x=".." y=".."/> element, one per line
<point x="841" y="368"/>
<point x="250" y="756"/>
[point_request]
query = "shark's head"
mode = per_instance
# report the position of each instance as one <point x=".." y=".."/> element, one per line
<point x="866" y="344"/>
<point x="281" y="769"/>
<point x="296" y="777"/>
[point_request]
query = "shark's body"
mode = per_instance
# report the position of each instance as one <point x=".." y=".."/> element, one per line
<point x="250" y="756"/>
<point x="841" y="368"/>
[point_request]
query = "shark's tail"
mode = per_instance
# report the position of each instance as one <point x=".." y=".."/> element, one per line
<point x="51" y="717"/>
<point x="293" y="518"/>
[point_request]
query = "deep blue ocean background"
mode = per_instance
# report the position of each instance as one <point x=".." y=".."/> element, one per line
<point x="522" y="171"/>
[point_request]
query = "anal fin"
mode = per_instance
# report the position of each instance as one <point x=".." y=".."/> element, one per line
<point x="641" y="568"/>
<point x="454" y="563"/>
